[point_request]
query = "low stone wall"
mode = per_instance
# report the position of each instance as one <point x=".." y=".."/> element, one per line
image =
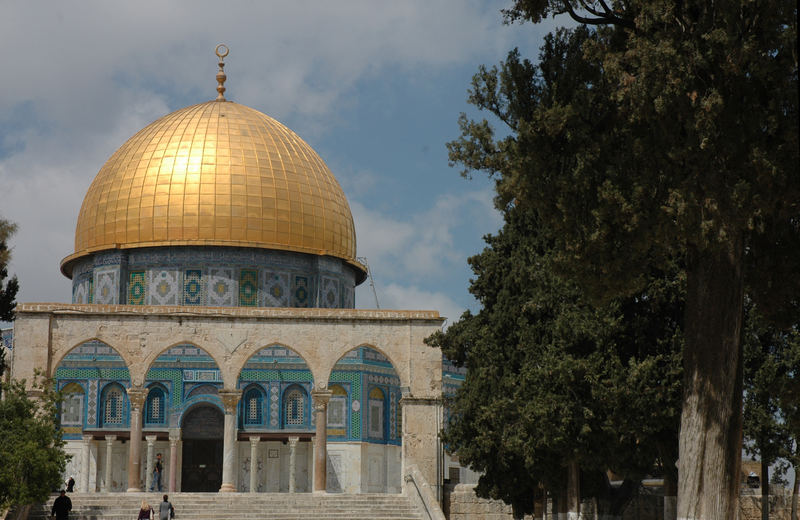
<point x="463" y="504"/>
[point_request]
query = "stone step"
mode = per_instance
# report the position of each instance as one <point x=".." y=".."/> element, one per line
<point x="240" y="506"/>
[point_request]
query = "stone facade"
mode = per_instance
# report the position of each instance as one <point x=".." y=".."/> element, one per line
<point x="138" y="347"/>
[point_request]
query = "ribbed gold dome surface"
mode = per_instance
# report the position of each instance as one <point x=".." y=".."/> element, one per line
<point x="219" y="174"/>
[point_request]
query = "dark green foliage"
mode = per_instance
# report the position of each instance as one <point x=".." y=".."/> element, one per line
<point x="32" y="457"/>
<point x="552" y="378"/>
<point x="8" y="290"/>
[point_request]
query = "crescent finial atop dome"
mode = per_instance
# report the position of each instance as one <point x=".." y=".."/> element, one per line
<point x="221" y="51"/>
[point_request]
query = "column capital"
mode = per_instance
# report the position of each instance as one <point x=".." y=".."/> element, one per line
<point x="293" y="441"/>
<point x="111" y="438"/>
<point x="151" y="439"/>
<point x="320" y="398"/>
<point x="174" y="435"/>
<point x="137" y="396"/>
<point x="230" y="399"/>
<point x="254" y="439"/>
<point x="87" y="438"/>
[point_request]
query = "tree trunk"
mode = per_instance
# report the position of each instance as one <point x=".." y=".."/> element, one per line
<point x="764" y="490"/>
<point x="711" y="420"/>
<point x="670" y="498"/>
<point x="573" y="491"/>
<point x="795" y="491"/>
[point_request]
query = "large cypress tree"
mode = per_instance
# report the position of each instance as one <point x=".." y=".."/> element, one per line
<point x="672" y="133"/>
<point x="553" y="380"/>
<point x="8" y="289"/>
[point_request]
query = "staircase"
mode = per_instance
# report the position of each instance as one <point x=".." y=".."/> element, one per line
<point x="239" y="506"/>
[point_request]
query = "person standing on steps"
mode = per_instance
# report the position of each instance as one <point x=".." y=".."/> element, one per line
<point x="146" y="512"/>
<point x="70" y="484"/>
<point x="165" y="510"/>
<point x="157" y="469"/>
<point x="61" y="507"/>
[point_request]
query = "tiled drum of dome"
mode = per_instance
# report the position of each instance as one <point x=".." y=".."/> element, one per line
<point x="275" y="289"/>
<point x="222" y="288"/>
<point x="248" y="288"/>
<point x="163" y="287"/>
<point x="193" y="287"/>
<point x="300" y="292"/>
<point x="330" y="292"/>
<point x="106" y="285"/>
<point x="137" y="288"/>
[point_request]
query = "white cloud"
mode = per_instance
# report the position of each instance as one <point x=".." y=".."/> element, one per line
<point x="401" y="297"/>
<point x="424" y="245"/>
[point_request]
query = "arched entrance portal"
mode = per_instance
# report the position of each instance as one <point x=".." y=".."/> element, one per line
<point x="202" y="431"/>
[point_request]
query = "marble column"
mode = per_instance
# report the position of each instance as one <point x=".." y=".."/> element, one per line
<point x="174" y="439"/>
<point x="320" y="400"/>
<point x="109" y="454"/>
<point x="311" y="448"/>
<point x="293" y="463"/>
<point x="254" y="440"/>
<point x="230" y="399"/>
<point x="85" y="462"/>
<point x="148" y="478"/>
<point x="136" y="396"/>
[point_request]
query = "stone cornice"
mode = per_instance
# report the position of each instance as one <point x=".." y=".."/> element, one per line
<point x="269" y="313"/>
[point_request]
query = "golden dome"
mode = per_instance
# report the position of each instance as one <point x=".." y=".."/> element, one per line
<point x="216" y="174"/>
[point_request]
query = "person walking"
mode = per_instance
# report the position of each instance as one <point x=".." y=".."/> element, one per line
<point x="62" y="505"/>
<point x="165" y="510"/>
<point x="157" y="470"/>
<point x="70" y="484"/>
<point x="145" y="512"/>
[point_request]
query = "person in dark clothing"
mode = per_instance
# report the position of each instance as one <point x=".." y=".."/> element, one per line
<point x="61" y="506"/>
<point x="157" y="469"/>
<point x="70" y="485"/>
<point x="165" y="509"/>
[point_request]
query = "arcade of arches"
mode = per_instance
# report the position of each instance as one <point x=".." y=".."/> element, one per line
<point x="266" y="400"/>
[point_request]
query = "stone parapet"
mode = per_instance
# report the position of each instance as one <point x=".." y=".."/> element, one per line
<point x="231" y="312"/>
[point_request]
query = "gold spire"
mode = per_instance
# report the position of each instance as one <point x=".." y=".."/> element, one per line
<point x="221" y="51"/>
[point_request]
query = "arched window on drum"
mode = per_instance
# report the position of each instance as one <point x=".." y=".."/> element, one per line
<point x="253" y="407"/>
<point x="295" y="408"/>
<point x="155" y="409"/>
<point x="376" y="413"/>
<point x="72" y="405"/>
<point x="113" y="415"/>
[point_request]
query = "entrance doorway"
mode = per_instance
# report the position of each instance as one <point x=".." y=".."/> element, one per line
<point x="202" y="449"/>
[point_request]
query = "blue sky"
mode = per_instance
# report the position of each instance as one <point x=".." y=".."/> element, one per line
<point x="375" y="87"/>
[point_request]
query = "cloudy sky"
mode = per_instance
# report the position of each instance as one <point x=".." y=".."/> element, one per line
<point x="374" y="87"/>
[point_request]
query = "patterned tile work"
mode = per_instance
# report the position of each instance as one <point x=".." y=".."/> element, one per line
<point x="80" y="289"/>
<point x="91" y="290"/>
<point x="91" y="416"/>
<point x="348" y="298"/>
<point x="106" y="285"/>
<point x="137" y="288"/>
<point x="275" y="289"/>
<point x="193" y="287"/>
<point x="164" y="287"/>
<point x="172" y="378"/>
<point x="300" y="292"/>
<point x="274" y="406"/>
<point x="222" y="288"/>
<point x="393" y="414"/>
<point x="330" y="293"/>
<point x="248" y="288"/>
<point x="354" y="378"/>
